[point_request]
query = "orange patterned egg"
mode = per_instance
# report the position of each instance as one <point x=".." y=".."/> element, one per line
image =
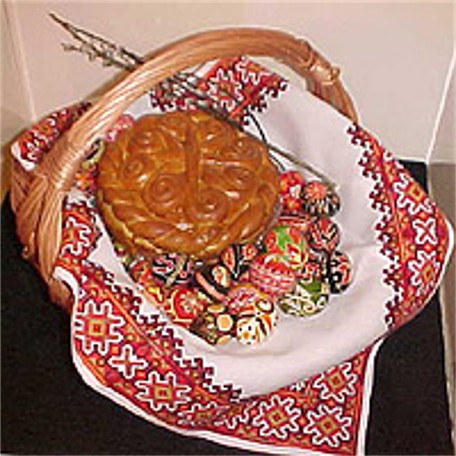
<point x="186" y="182"/>
<point x="255" y="322"/>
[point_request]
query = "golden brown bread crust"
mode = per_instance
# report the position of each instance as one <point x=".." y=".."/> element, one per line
<point x="186" y="182"/>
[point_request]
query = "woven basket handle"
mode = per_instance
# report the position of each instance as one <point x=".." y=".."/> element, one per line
<point x="40" y="214"/>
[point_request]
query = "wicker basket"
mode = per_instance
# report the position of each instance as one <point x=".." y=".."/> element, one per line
<point x="37" y="196"/>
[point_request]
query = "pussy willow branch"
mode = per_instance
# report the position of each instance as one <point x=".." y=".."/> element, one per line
<point x="97" y="47"/>
<point x="111" y="54"/>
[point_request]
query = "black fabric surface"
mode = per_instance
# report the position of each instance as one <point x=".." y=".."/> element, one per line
<point x="47" y="409"/>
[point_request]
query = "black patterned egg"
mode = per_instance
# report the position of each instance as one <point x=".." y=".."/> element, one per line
<point x="319" y="199"/>
<point x="339" y="271"/>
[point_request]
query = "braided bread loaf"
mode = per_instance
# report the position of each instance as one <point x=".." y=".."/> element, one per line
<point x="185" y="182"/>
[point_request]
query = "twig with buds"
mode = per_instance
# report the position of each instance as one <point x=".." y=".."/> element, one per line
<point x="95" y="47"/>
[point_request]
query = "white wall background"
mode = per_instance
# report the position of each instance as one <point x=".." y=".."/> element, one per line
<point x="394" y="57"/>
<point x="15" y="105"/>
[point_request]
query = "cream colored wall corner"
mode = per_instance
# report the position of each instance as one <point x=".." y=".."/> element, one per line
<point x="15" y="101"/>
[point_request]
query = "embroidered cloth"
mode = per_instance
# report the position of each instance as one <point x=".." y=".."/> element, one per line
<point x="307" y="388"/>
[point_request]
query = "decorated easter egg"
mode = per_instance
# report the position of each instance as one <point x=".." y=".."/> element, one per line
<point x="271" y="274"/>
<point x="183" y="305"/>
<point x="237" y="258"/>
<point x="291" y="184"/>
<point x="308" y="298"/>
<point x="215" y="324"/>
<point x="141" y="272"/>
<point x="301" y="222"/>
<point x="324" y="235"/>
<point x="214" y="280"/>
<point x="255" y="322"/>
<point x="242" y="295"/>
<point x="315" y="268"/>
<point x="339" y="271"/>
<point x="173" y="268"/>
<point x="289" y="243"/>
<point x="319" y="199"/>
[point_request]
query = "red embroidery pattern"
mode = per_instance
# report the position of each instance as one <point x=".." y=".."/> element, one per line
<point x="85" y="178"/>
<point x="38" y="140"/>
<point x="412" y="230"/>
<point x="79" y="236"/>
<point x="139" y="357"/>
<point x="237" y="86"/>
<point x="241" y="84"/>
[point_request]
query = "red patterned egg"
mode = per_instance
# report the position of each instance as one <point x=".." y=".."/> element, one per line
<point x="301" y="222"/>
<point x="289" y="243"/>
<point x="291" y="184"/>
<point x="184" y="304"/>
<point x="319" y="199"/>
<point x="237" y="258"/>
<point x="271" y="274"/>
<point x="242" y="295"/>
<point x="339" y="272"/>
<point x="324" y="235"/>
<point x="255" y="322"/>
<point x="141" y="273"/>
